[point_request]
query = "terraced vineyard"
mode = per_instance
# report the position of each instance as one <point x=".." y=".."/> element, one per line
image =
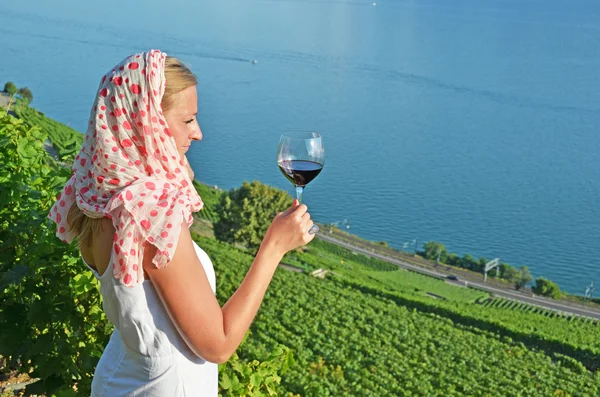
<point x="210" y="197"/>
<point x="509" y="304"/>
<point x="351" y="339"/>
<point x="550" y="333"/>
<point x="407" y="281"/>
<point x="66" y="140"/>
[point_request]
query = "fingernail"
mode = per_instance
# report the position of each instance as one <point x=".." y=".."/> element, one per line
<point x="295" y="203"/>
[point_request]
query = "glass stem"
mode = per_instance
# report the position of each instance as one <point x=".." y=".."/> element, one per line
<point x="299" y="190"/>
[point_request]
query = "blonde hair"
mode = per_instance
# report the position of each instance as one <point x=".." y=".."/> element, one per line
<point x="178" y="78"/>
<point x="84" y="226"/>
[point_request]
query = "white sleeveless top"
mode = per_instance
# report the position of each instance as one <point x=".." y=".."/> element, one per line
<point x="146" y="356"/>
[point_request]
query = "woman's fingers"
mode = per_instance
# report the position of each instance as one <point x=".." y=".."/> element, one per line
<point x="288" y="211"/>
<point x="290" y="228"/>
<point x="298" y="211"/>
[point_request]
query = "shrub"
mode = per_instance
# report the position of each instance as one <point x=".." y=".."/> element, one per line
<point x="545" y="287"/>
<point x="52" y="324"/>
<point x="245" y="213"/>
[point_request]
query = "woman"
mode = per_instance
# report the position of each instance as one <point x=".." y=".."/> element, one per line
<point x="130" y="203"/>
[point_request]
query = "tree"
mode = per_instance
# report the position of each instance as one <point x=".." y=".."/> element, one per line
<point x="432" y="249"/>
<point x="453" y="260"/>
<point x="10" y="88"/>
<point x="468" y="262"/>
<point x="503" y="268"/>
<point x="245" y="213"/>
<point x="510" y="273"/>
<point x="479" y="266"/>
<point x="545" y="287"/>
<point x="26" y="94"/>
<point x="524" y="279"/>
<point x="22" y="94"/>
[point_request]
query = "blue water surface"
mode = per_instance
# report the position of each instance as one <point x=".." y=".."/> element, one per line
<point x="474" y="123"/>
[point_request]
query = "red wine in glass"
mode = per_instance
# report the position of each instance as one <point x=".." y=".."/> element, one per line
<point x="300" y="172"/>
<point x="300" y="157"/>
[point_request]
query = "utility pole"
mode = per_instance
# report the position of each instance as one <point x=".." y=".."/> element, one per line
<point x="588" y="292"/>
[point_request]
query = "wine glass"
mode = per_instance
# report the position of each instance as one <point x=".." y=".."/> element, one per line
<point x="301" y="157"/>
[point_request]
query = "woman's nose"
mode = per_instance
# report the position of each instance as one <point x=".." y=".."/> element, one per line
<point x="196" y="133"/>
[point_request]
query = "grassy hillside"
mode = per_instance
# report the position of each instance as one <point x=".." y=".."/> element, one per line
<point x="371" y="329"/>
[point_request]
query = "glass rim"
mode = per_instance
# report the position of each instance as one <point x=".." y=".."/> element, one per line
<point x="301" y="134"/>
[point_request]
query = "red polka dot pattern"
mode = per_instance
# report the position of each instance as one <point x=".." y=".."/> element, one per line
<point x="129" y="169"/>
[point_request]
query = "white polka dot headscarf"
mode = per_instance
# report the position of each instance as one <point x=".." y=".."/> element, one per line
<point x="129" y="169"/>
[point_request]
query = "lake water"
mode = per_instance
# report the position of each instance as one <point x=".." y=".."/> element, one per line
<point x="474" y="123"/>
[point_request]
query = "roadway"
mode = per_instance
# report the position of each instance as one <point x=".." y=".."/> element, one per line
<point x="550" y="304"/>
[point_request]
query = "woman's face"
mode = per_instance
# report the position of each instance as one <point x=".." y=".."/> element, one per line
<point x="181" y="119"/>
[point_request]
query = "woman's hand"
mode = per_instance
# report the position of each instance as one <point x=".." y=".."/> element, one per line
<point x="289" y="229"/>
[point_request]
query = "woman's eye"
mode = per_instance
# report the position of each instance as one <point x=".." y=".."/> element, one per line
<point x="189" y="121"/>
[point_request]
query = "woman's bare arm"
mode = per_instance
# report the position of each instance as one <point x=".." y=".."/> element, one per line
<point x="212" y="332"/>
